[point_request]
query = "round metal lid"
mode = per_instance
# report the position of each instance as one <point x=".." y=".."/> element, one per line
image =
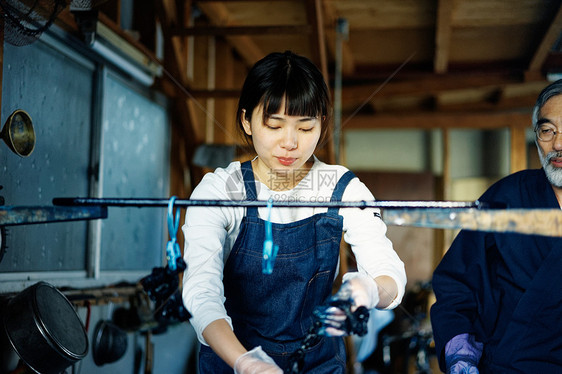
<point x="59" y="322"/>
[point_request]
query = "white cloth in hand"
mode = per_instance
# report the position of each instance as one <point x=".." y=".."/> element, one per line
<point x="256" y="361"/>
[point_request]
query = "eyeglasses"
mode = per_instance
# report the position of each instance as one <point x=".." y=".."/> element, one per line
<point x="546" y="133"/>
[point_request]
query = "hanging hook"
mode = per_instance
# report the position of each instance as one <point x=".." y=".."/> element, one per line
<point x="269" y="249"/>
<point x="173" y="254"/>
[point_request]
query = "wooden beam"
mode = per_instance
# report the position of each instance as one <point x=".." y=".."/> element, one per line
<point x="330" y="19"/>
<point x="233" y="1"/>
<point x="315" y="18"/>
<point x="176" y="71"/>
<point x="216" y="93"/>
<point x="242" y="30"/>
<point x="466" y="95"/>
<point x="547" y="42"/>
<point x="443" y="35"/>
<point x="499" y="97"/>
<point x="427" y="84"/>
<point x="518" y="154"/>
<point x="244" y="45"/>
<point x="432" y="120"/>
<point x="167" y="14"/>
<point x="225" y="109"/>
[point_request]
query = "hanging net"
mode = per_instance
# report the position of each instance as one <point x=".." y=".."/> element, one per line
<point x="26" y="20"/>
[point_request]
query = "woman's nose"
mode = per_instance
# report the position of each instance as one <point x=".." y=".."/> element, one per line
<point x="289" y="140"/>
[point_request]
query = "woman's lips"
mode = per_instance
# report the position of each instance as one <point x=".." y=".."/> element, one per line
<point x="286" y="161"/>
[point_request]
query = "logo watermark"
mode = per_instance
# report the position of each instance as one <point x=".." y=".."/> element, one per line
<point x="301" y="180"/>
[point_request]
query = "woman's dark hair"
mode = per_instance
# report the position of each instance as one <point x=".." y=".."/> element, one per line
<point x="285" y="76"/>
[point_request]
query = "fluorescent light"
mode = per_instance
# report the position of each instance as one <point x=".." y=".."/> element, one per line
<point x="128" y="67"/>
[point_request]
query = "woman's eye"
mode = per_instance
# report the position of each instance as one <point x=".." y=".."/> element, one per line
<point x="547" y="131"/>
<point x="307" y="129"/>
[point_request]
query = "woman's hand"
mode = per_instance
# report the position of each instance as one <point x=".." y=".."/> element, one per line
<point x="256" y="361"/>
<point x="361" y="289"/>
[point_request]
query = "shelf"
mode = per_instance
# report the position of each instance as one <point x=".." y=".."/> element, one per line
<point x="26" y="215"/>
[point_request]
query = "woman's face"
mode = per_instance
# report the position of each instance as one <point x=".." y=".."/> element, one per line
<point x="284" y="143"/>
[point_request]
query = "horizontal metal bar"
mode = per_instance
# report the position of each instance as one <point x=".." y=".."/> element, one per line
<point x="25" y="215"/>
<point x="547" y="222"/>
<point x="470" y="215"/>
<point x="149" y="202"/>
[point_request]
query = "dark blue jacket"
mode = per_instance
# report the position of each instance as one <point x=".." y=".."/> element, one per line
<point x="506" y="289"/>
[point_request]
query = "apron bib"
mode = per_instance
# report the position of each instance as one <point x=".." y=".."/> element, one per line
<point x="274" y="311"/>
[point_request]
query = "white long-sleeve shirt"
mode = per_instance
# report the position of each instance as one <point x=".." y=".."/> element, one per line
<point x="210" y="233"/>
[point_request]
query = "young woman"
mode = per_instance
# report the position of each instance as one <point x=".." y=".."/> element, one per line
<point x="250" y="321"/>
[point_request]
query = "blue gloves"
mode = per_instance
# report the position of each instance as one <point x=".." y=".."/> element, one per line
<point x="462" y="354"/>
<point x="462" y="367"/>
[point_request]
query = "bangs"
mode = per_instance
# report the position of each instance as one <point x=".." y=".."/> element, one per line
<point x="301" y="97"/>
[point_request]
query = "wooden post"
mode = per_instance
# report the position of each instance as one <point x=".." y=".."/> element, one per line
<point x="518" y="149"/>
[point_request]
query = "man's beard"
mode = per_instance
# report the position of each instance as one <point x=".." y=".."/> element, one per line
<point x="553" y="173"/>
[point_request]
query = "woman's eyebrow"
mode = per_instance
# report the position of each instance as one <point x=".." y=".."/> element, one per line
<point x="304" y="119"/>
<point x="282" y="118"/>
<point x="277" y="117"/>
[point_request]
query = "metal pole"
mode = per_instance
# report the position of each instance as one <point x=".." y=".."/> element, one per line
<point x="150" y="202"/>
<point x="341" y="35"/>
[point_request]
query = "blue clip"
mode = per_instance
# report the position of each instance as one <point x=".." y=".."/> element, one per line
<point x="172" y="248"/>
<point x="269" y="249"/>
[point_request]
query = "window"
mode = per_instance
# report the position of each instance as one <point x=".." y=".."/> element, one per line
<point x="97" y="134"/>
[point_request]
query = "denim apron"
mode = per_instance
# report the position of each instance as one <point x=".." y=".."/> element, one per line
<point x="274" y="311"/>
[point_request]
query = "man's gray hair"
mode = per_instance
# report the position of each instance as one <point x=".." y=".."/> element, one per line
<point x="547" y="93"/>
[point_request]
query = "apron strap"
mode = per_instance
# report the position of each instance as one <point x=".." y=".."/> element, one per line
<point x="339" y="189"/>
<point x="249" y="186"/>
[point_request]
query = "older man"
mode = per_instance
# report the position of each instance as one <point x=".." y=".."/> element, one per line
<point x="499" y="296"/>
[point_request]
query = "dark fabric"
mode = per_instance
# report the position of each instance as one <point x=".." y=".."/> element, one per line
<point x="274" y="311"/>
<point x="505" y="288"/>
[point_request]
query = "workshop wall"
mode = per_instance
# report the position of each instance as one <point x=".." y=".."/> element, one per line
<point x="99" y="133"/>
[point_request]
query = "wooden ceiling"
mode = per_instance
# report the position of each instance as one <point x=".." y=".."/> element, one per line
<point x="407" y="56"/>
<point x="400" y="64"/>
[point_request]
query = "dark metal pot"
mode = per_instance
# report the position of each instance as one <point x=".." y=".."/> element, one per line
<point x="44" y="329"/>
<point x="110" y="343"/>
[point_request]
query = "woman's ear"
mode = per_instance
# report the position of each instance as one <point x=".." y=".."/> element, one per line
<point x="245" y="123"/>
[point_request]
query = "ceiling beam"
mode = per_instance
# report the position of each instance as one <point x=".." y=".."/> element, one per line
<point x="427" y="84"/>
<point x="216" y="93"/>
<point x="242" y="30"/>
<point x="435" y="120"/>
<point x="314" y="14"/>
<point x="167" y="12"/>
<point x="330" y="22"/>
<point x="443" y="35"/>
<point x="546" y="44"/>
<point x="176" y="70"/>
<point x="217" y="13"/>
